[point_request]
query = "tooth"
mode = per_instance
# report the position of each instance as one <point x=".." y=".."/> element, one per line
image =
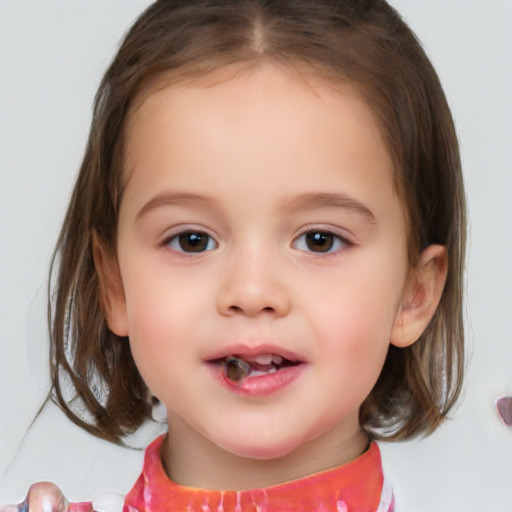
<point x="277" y="359"/>
<point x="263" y="359"/>
<point x="272" y="370"/>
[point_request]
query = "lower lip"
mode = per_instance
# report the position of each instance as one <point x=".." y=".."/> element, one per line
<point x="261" y="385"/>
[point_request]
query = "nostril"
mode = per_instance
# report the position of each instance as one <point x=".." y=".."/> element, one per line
<point x="239" y="299"/>
<point x="248" y="310"/>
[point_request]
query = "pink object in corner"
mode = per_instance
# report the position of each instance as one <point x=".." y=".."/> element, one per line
<point x="504" y="407"/>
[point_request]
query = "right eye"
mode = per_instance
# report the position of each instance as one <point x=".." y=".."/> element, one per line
<point x="320" y="241"/>
<point x="191" y="242"/>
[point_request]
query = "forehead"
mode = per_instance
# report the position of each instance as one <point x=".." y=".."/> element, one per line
<point x="272" y="96"/>
<point x="247" y="115"/>
<point x="250" y="142"/>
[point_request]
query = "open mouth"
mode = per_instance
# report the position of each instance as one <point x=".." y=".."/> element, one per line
<point x="237" y="368"/>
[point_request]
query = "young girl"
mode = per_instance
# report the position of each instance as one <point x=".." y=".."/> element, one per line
<point x="267" y="237"/>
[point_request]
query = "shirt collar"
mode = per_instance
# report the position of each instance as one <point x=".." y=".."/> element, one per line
<point x="355" y="486"/>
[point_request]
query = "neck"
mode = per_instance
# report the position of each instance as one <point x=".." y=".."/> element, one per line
<point x="194" y="461"/>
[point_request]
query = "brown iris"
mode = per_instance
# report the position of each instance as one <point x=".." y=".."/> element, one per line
<point x="193" y="241"/>
<point x="319" y="241"/>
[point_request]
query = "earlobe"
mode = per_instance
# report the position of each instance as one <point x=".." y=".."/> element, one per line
<point x="421" y="296"/>
<point x="110" y="287"/>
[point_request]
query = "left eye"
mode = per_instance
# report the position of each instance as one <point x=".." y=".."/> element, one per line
<point x="191" y="242"/>
<point x="319" y="241"/>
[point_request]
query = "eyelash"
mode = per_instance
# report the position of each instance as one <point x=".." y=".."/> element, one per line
<point x="336" y="242"/>
<point x="175" y="240"/>
<point x="206" y="243"/>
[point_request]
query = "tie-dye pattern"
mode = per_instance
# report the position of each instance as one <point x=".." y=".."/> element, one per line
<point x="358" y="486"/>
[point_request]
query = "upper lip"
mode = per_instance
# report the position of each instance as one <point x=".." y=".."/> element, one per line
<point x="251" y="351"/>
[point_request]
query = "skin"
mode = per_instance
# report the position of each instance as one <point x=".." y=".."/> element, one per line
<point x="247" y="160"/>
<point x="255" y="160"/>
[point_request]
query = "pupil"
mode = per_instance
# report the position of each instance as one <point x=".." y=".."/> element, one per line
<point x="193" y="242"/>
<point x="319" y="241"/>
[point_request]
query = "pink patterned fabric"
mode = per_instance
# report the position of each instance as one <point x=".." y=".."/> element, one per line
<point x="358" y="486"/>
<point x="85" y="506"/>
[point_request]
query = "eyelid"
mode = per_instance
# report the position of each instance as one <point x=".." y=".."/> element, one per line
<point x="342" y="233"/>
<point x="176" y="231"/>
<point x="346" y="239"/>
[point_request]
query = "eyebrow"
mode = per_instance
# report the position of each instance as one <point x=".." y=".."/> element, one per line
<point x="173" y="199"/>
<point x="311" y="201"/>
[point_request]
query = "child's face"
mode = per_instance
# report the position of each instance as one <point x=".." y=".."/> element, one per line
<point x="259" y="219"/>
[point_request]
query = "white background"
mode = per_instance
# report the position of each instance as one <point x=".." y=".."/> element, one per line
<point x="52" y="55"/>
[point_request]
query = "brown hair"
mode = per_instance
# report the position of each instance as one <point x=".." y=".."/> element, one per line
<point x="361" y="42"/>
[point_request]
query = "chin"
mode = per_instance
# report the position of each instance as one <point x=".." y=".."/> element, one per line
<point x="263" y="450"/>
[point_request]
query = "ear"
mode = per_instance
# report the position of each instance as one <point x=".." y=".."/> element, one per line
<point x="421" y="296"/>
<point x="110" y="287"/>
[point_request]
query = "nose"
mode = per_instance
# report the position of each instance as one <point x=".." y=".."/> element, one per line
<point x="253" y="285"/>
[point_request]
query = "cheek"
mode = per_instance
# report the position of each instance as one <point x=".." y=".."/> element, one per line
<point x="163" y="309"/>
<point x="158" y="301"/>
<point x="150" y="323"/>
<point x="149" y="340"/>
<point x="362" y="338"/>
<point x="357" y="311"/>
<point x="363" y="303"/>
